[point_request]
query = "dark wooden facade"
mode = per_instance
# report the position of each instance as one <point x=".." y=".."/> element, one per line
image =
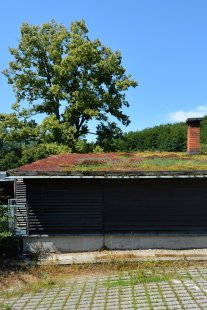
<point x="118" y="206"/>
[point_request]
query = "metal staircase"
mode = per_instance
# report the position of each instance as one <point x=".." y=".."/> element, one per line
<point x="19" y="210"/>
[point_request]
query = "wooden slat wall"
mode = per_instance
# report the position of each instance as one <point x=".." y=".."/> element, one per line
<point x="64" y="207"/>
<point x="156" y="205"/>
<point x="117" y="206"/>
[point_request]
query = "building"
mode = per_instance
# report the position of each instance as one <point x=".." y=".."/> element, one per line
<point x="81" y="202"/>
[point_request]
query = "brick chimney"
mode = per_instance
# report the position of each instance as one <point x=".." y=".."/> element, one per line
<point x="193" y="135"/>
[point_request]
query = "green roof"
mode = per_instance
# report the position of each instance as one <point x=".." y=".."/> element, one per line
<point x="115" y="163"/>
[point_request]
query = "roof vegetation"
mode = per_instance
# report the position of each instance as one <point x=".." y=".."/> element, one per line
<point x="139" y="161"/>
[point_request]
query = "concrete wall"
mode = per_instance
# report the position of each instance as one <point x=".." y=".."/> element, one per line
<point x="65" y="244"/>
<point x="62" y="244"/>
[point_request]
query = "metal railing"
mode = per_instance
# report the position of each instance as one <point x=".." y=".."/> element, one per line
<point x="11" y="215"/>
<point x="18" y="218"/>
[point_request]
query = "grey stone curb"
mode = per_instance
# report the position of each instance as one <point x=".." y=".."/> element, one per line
<point x="111" y="256"/>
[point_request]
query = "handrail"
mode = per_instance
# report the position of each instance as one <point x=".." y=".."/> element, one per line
<point x="15" y="216"/>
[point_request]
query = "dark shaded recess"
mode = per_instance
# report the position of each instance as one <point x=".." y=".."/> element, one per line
<point x="6" y="191"/>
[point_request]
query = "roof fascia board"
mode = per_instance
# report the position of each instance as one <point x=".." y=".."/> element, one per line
<point x="108" y="177"/>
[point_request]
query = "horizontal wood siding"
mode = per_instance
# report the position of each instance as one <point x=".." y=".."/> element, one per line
<point x="65" y="207"/>
<point x="117" y="206"/>
<point x="156" y="205"/>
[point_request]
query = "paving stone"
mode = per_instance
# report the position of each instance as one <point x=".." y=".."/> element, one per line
<point x="92" y="294"/>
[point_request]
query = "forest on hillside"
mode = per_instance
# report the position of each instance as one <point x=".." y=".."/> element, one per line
<point x="162" y="138"/>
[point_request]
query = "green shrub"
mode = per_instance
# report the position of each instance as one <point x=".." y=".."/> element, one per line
<point x="4" y="230"/>
<point x="41" y="151"/>
<point x="9" y="245"/>
<point x="97" y="149"/>
<point x="203" y="148"/>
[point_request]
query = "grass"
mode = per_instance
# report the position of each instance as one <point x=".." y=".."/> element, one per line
<point x="159" y="164"/>
<point x="119" y="161"/>
<point x="33" y="287"/>
<point x="5" y="307"/>
<point x="15" y="281"/>
<point x="146" y="161"/>
<point x="142" y="277"/>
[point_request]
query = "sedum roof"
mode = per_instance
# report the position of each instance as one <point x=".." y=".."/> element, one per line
<point x="141" y="163"/>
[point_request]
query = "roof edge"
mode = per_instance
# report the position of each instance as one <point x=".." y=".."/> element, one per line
<point x="31" y="174"/>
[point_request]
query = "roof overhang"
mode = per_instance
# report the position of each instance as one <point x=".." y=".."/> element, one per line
<point x="107" y="174"/>
<point x="3" y="176"/>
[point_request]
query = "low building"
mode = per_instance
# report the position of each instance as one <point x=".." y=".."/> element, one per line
<point x="82" y="202"/>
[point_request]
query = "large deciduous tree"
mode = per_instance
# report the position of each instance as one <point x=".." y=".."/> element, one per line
<point x="22" y="140"/>
<point x="68" y="76"/>
<point x="17" y="127"/>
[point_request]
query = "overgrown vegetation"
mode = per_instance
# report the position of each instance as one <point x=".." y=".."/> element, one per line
<point x="18" y="280"/>
<point x="4" y="231"/>
<point x="143" y="276"/>
<point x="121" y="162"/>
<point x="9" y="245"/>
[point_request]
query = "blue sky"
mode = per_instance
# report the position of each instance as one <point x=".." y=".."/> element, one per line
<point x="163" y="44"/>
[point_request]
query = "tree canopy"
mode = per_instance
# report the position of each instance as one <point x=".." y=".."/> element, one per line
<point x="169" y="138"/>
<point x="69" y="77"/>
